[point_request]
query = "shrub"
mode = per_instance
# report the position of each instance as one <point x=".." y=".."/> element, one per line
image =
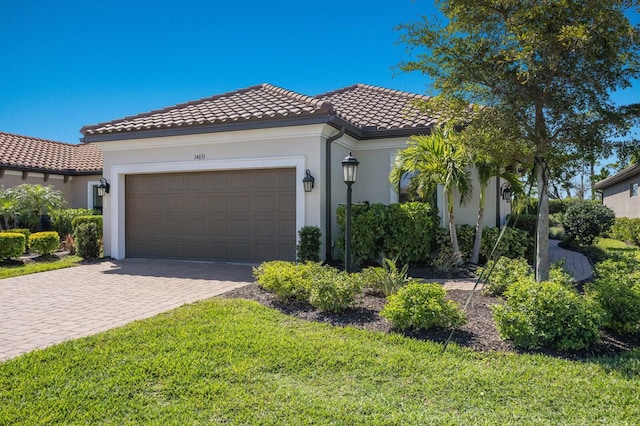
<point x="29" y="202"/>
<point x="585" y="221"/>
<point x="388" y="278"/>
<point x="286" y="280"/>
<point x="78" y="220"/>
<point x="625" y="229"/>
<point x="525" y="222"/>
<point x="44" y="243"/>
<point x="11" y="245"/>
<point x="504" y="272"/>
<point x="308" y="249"/>
<point x="88" y="240"/>
<point x="61" y="219"/>
<point x="332" y="290"/>
<point x="23" y="231"/>
<point x="547" y="314"/>
<point x="422" y="306"/>
<point x="617" y="290"/>
<point x="403" y="230"/>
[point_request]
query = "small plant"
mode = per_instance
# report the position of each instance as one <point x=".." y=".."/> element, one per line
<point x="88" y="240"/>
<point x="332" y="290"/>
<point x="70" y="244"/>
<point x="61" y="219"/>
<point x="504" y="272"/>
<point x="308" y="249"/>
<point x="44" y="243"/>
<point x="547" y="314"/>
<point x="11" y="245"/>
<point x="388" y="278"/>
<point x="421" y="306"/>
<point x="286" y="280"/>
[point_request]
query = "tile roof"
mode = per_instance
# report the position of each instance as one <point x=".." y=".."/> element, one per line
<point x="28" y="153"/>
<point x="376" y="108"/>
<point x="253" y="103"/>
<point x="369" y="111"/>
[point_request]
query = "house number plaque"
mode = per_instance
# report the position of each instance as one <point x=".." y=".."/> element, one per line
<point x="199" y="157"/>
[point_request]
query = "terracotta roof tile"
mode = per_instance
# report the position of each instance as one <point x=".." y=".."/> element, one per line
<point x="253" y="103"/>
<point x="376" y="108"/>
<point x="24" y="152"/>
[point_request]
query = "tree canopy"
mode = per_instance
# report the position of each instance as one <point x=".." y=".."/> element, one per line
<point x="545" y="69"/>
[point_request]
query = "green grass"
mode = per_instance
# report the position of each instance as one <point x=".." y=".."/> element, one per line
<point x="610" y="244"/>
<point x="8" y="271"/>
<point x="238" y="362"/>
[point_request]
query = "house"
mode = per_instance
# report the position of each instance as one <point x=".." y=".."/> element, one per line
<point x="620" y="192"/>
<point x="74" y="170"/>
<point x="222" y="177"/>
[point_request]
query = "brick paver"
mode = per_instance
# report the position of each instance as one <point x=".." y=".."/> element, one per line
<point x="43" y="309"/>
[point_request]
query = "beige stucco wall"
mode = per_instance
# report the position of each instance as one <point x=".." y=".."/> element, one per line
<point x="618" y="198"/>
<point x="74" y="190"/>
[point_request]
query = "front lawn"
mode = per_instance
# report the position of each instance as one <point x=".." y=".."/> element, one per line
<point x="14" y="268"/>
<point x="237" y="362"/>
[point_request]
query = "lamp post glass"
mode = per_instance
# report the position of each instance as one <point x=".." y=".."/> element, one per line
<point x="349" y="170"/>
<point x="308" y="181"/>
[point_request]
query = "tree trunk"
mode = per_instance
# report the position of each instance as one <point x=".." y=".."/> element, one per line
<point x="542" y="230"/>
<point x="452" y="233"/>
<point x="475" y="254"/>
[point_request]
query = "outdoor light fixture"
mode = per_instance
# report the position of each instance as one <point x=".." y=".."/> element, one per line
<point x="349" y="170"/>
<point x="308" y="181"/>
<point x="103" y="188"/>
<point x="507" y="192"/>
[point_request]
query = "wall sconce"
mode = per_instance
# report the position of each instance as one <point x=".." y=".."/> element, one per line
<point x="308" y="181"/>
<point x="506" y="192"/>
<point x="103" y="188"/>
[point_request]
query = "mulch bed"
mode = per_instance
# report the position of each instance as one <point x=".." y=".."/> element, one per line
<point x="479" y="333"/>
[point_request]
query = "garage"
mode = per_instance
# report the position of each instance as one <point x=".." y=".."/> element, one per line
<point x="230" y="215"/>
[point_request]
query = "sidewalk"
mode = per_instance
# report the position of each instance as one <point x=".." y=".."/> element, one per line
<point x="576" y="264"/>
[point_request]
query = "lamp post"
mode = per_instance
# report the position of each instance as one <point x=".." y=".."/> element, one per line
<point x="349" y="171"/>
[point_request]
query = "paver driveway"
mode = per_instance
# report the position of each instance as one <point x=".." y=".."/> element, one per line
<point x="43" y="309"/>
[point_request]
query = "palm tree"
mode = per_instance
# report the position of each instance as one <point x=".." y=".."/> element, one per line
<point x="437" y="158"/>
<point x="487" y="168"/>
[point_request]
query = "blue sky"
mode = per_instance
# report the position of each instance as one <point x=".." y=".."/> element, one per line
<point x="68" y="63"/>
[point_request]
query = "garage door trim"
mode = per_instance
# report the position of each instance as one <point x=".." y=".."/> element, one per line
<point x="114" y="222"/>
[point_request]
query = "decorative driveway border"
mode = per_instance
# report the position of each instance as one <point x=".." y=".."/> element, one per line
<point x="43" y="309"/>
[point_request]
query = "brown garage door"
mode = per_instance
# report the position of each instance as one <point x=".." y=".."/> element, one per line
<point x="239" y="215"/>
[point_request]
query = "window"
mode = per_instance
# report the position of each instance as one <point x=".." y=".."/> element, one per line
<point x="94" y="202"/>
<point x="634" y="189"/>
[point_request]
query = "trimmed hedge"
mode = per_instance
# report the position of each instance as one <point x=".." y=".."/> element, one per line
<point x="44" y="243"/>
<point x="403" y="231"/>
<point x="87" y="239"/>
<point x="11" y="245"/>
<point x="23" y="231"/>
<point x="514" y="243"/>
<point x="78" y="220"/>
<point x="61" y="220"/>
<point x="308" y="249"/>
<point x="525" y="222"/>
<point x="626" y="229"/>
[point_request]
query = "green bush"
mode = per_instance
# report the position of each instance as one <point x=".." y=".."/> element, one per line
<point x="286" y="280"/>
<point x="23" y="231"/>
<point x="584" y="221"/>
<point x="403" y="230"/>
<point x="11" y="245"/>
<point x="625" y="229"/>
<point x="421" y="306"/>
<point x="87" y="240"/>
<point x="386" y="279"/>
<point x="504" y="272"/>
<point x="61" y="220"/>
<point x="617" y="290"/>
<point x="525" y="222"/>
<point x="332" y="290"/>
<point x="547" y="314"/>
<point x="44" y="243"/>
<point x="514" y="243"/>
<point x="308" y="249"/>
<point x="78" y="220"/>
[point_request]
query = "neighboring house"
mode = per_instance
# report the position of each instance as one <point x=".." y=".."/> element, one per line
<point x="222" y="177"/>
<point x="621" y="192"/>
<point x="74" y="170"/>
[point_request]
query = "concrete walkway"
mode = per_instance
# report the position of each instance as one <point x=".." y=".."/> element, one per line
<point x="40" y="310"/>
<point x="576" y="264"/>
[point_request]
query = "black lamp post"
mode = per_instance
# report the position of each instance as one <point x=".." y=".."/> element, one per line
<point x="308" y="181"/>
<point x="349" y="170"/>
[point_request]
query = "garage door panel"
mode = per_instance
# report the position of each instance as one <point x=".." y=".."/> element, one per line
<point x="228" y="215"/>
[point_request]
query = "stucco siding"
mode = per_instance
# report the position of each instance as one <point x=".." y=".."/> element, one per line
<point x="618" y="198"/>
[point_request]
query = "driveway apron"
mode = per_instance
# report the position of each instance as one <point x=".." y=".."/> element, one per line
<point x="43" y="309"/>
